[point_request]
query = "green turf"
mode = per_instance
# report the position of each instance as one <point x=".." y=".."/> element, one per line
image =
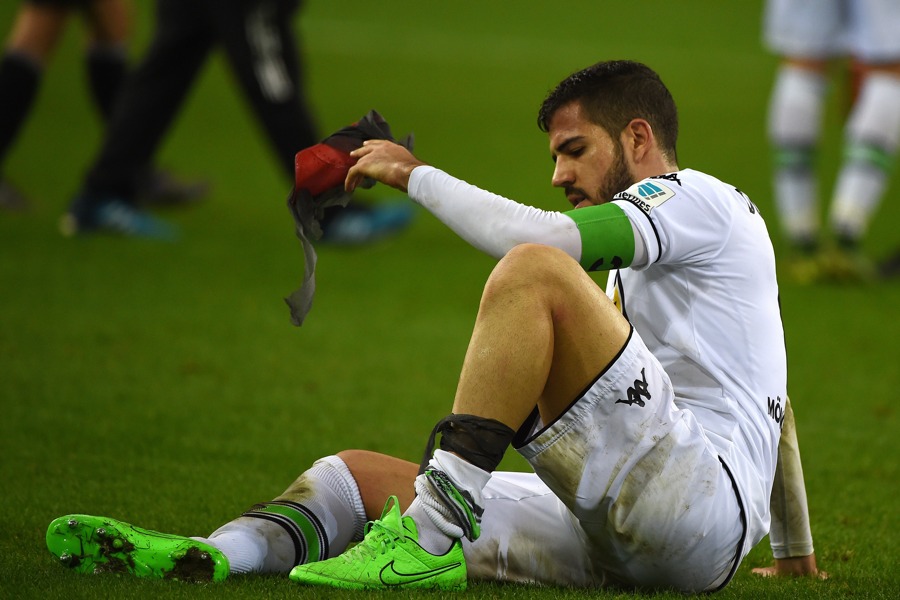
<point x="163" y="383"/>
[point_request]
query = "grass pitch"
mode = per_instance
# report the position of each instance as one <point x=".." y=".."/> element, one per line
<point x="163" y="383"/>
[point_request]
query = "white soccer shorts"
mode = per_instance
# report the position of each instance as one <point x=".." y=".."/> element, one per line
<point x="626" y="490"/>
<point x="821" y="29"/>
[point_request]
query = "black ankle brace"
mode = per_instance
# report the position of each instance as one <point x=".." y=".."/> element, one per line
<point x="480" y="441"/>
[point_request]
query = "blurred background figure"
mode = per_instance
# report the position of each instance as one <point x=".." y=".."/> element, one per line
<point x="258" y="42"/>
<point x="810" y="36"/>
<point x="890" y="266"/>
<point x="38" y="27"/>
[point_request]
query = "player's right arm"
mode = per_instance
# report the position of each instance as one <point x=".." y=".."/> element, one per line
<point x="599" y="237"/>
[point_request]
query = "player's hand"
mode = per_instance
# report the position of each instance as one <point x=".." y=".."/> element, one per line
<point x="798" y="566"/>
<point x="383" y="161"/>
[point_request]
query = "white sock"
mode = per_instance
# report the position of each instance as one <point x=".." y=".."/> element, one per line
<point x="315" y="518"/>
<point x="794" y="126"/>
<point x="872" y="138"/>
<point x="244" y="548"/>
<point x="437" y="525"/>
<point x="431" y="537"/>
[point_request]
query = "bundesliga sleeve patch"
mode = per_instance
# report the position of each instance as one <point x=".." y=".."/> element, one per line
<point x="646" y="194"/>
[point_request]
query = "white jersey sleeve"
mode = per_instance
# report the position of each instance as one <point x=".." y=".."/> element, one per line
<point x="490" y="222"/>
<point x="495" y="224"/>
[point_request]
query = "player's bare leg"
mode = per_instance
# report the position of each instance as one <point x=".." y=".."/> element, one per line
<point x="110" y="21"/>
<point x="316" y="517"/>
<point x="37" y="31"/>
<point x="31" y="41"/>
<point x="543" y="333"/>
<point x="379" y="476"/>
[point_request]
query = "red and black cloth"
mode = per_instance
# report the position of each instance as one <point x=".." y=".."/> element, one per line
<point x="320" y="172"/>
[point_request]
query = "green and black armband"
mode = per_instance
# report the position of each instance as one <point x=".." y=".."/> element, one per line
<point x="607" y="239"/>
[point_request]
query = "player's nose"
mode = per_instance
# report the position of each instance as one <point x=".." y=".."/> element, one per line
<point x="562" y="175"/>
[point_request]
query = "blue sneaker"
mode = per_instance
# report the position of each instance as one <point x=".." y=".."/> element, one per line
<point x="354" y="224"/>
<point x="113" y="216"/>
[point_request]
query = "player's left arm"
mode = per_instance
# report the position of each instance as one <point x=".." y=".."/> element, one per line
<point x="790" y="534"/>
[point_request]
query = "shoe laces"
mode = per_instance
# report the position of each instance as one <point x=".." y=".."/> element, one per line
<point x="381" y="535"/>
<point x="380" y="539"/>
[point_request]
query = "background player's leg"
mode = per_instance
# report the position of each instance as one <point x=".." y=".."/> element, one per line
<point x="871" y="140"/>
<point x="259" y="40"/>
<point x="795" y="122"/>
<point x="151" y="98"/>
<point x="147" y="103"/>
<point x="30" y="44"/>
<point x="109" y="25"/>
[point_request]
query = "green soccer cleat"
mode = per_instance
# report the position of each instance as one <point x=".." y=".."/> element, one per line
<point x="89" y="544"/>
<point x="388" y="557"/>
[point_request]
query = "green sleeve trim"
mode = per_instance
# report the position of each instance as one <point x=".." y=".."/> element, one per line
<point x="607" y="240"/>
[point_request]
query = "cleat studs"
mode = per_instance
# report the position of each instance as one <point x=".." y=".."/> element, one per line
<point x="101" y="531"/>
<point x="65" y="558"/>
<point x="177" y="554"/>
<point x="72" y="523"/>
<point x="118" y="543"/>
<point x="204" y="555"/>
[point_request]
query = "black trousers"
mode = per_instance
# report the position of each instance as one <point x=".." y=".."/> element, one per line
<point x="259" y="45"/>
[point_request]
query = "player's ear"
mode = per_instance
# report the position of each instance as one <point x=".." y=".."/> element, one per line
<point x="637" y="139"/>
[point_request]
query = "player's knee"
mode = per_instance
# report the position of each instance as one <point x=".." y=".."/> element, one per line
<point x="353" y="457"/>
<point x="536" y="254"/>
<point x="534" y="266"/>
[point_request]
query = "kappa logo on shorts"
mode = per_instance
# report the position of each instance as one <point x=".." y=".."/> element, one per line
<point x="637" y="392"/>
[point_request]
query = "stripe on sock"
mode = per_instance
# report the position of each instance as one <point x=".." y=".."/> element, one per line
<point x="870" y="155"/>
<point x="794" y="157"/>
<point x="304" y="528"/>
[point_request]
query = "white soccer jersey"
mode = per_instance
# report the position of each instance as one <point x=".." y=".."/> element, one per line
<point x="701" y="293"/>
<point x="706" y="305"/>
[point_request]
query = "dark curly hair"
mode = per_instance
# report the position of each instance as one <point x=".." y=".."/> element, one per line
<point x="615" y="92"/>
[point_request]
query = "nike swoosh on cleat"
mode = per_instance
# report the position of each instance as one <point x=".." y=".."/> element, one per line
<point x="390" y="576"/>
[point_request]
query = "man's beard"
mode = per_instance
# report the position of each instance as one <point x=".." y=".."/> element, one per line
<point x="618" y="178"/>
